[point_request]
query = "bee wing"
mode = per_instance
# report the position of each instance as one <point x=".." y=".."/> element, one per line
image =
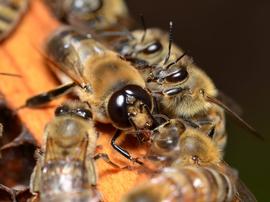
<point x="243" y="193"/>
<point x="69" y="71"/>
<point x="230" y="102"/>
<point x="243" y="123"/>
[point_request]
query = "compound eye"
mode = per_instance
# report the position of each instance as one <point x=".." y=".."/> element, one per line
<point x="84" y="113"/>
<point x="153" y="48"/>
<point x="117" y="110"/>
<point x="86" y="7"/>
<point x="61" y="110"/>
<point x="121" y="100"/>
<point x="178" y="76"/>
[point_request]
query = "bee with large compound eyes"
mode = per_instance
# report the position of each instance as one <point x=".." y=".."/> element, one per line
<point x="112" y="87"/>
<point x="191" y="169"/>
<point x="181" y="88"/>
<point x="145" y="47"/>
<point x="11" y="12"/>
<point x="65" y="169"/>
<point x="90" y="15"/>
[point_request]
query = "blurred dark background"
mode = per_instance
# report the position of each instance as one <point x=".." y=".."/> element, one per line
<point x="230" y="40"/>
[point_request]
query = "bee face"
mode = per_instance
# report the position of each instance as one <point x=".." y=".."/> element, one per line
<point x="130" y="105"/>
<point x="81" y="112"/>
<point x="148" y="47"/>
<point x="170" y="76"/>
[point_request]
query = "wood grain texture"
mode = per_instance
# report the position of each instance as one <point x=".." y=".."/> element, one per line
<point x="20" y="54"/>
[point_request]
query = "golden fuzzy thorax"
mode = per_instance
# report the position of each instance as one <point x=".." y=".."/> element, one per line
<point x="106" y="74"/>
<point x="196" y="144"/>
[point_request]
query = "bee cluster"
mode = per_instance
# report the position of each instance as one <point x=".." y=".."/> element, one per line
<point x="143" y="84"/>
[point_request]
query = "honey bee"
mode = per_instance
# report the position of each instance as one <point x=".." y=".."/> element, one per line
<point x="65" y="171"/>
<point x="90" y="15"/>
<point x="181" y="88"/>
<point x="112" y="87"/>
<point x="174" y="80"/>
<point x="11" y="12"/>
<point x="192" y="169"/>
<point x="189" y="183"/>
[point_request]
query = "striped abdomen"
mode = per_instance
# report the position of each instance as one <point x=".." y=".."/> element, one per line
<point x="192" y="184"/>
<point x="11" y="12"/>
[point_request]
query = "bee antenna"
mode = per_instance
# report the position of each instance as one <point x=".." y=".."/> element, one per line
<point x="170" y="43"/>
<point x="144" y="28"/>
<point x="177" y="60"/>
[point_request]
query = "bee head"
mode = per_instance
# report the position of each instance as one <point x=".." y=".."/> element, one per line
<point x="131" y="107"/>
<point x="78" y="109"/>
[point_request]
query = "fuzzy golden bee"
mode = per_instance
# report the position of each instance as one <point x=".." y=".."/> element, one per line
<point x="178" y="85"/>
<point x="112" y="87"/>
<point x="65" y="169"/>
<point x="191" y="169"/>
<point x="181" y="88"/>
<point x="90" y="15"/>
<point x="11" y="12"/>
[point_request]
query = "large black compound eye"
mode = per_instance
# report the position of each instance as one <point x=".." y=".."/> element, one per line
<point x="83" y="8"/>
<point x="153" y="48"/>
<point x="178" y="76"/>
<point x="120" y="100"/>
<point x="83" y="113"/>
<point x="61" y="110"/>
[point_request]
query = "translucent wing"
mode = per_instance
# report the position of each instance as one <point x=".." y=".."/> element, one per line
<point x="243" y="193"/>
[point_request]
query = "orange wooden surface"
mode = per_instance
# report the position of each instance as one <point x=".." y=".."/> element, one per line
<point x="19" y="54"/>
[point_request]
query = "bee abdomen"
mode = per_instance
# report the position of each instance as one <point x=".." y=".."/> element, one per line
<point x="192" y="184"/>
<point x="202" y="184"/>
<point x="10" y="13"/>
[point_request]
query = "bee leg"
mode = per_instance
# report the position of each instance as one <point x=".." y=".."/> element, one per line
<point x="48" y="96"/>
<point x="168" y="92"/>
<point x="105" y="158"/>
<point x="192" y="123"/>
<point x="121" y="150"/>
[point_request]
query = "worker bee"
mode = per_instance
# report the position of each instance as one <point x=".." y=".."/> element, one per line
<point x="90" y="15"/>
<point x="145" y="47"/>
<point x="189" y="183"/>
<point x="65" y="169"/>
<point x="11" y="12"/>
<point x="192" y="168"/>
<point x="181" y="88"/>
<point x="174" y="80"/>
<point x="112" y="87"/>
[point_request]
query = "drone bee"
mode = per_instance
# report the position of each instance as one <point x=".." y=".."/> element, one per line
<point x="90" y="15"/>
<point x="65" y="171"/>
<point x="192" y="168"/>
<point x="111" y="86"/>
<point x="11" y="12"/>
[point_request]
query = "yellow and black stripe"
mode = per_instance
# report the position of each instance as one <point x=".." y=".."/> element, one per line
<point x="11" y="12"/>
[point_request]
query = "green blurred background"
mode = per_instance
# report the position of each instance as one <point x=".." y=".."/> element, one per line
<point x="230" y="40"/>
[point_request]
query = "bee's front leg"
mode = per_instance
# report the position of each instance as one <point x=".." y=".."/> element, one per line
<point x="44" y="98"/>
